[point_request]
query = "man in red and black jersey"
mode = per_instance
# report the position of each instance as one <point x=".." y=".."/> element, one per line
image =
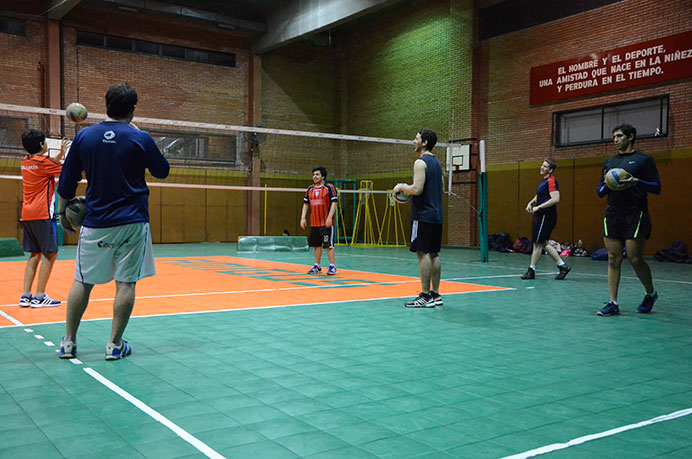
<point x="321" y="198"/>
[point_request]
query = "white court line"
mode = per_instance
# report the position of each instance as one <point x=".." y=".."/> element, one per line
<point x="10" y="318"/>
<point x="196" y="443"/>
<point x="496" y="277"/>
<point x="282" y="289"/>
<point x="607" y="433"/>
<point x="502" y="289"/>
<point x="476" y="264"/>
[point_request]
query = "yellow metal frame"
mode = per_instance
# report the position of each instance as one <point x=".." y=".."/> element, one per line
<point x="394" y="215"/>
<point x="366" y="210"/>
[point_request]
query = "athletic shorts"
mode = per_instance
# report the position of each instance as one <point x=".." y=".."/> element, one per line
<point x="625" y="227"/>
<point x="426" y="237"/>
<point x="123" y="253"/>
<point x="542" y="226"/>
<point x="321" y="236"/>
<point x="40" y="236"/>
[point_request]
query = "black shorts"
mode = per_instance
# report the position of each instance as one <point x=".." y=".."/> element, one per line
<point x="426" y="237"/>
<point x="40" y="236"/>
<point x="321" y="236"/>
<point x="542" y="226"/>
<point x="626" y="227"/>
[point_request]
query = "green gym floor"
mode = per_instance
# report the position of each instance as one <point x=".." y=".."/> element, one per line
<point x="490" y="374"/>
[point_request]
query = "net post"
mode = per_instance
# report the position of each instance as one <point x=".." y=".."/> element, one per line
<point x="483" y="205"/>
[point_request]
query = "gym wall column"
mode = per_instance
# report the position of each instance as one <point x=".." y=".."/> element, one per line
<point x="53" y="77"/>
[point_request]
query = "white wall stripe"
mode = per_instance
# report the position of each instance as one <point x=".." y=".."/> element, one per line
<point x="607" y="433"/>
<point x="196" y="443"/>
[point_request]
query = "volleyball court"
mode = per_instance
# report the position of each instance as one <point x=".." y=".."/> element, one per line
<point x="226" y="360"/>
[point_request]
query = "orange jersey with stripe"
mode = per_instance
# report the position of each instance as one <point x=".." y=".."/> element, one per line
<point x="320" y="199"/>
<point x="38" y="174"/>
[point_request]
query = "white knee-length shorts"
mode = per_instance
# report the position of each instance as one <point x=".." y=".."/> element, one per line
<point x="123" y="253"/>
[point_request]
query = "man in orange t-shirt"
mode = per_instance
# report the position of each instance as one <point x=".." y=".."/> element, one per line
<point x="38" y="174"/>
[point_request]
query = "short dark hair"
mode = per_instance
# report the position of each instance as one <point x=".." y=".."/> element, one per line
<point x="322" y="170"/>
<point x="32" y="140"/>
<point x="428" y="136"/>
<point x="626" y="129"/>
<point x="552" y="165"/>
<point x="120" y="100"/>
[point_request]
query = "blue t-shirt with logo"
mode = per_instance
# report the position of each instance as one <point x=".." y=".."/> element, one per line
<point x="114" y="156"/>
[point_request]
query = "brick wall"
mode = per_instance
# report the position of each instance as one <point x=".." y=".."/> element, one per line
<point x="388" y="74"/>
<point x="519" y="134"/>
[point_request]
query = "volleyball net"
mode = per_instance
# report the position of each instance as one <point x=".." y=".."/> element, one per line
<point x="222" y="174"/>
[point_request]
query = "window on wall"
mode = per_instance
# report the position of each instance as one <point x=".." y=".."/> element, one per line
<point x="129" y="45"/>
<point x="192" y="147"/>
<point x="595" y="124"/>
<point x="12" y="26"/>
<point x="11" y="134"/>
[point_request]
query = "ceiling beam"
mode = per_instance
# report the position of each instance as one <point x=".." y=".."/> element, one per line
<point x="301" y="18"/>
<point x="57" y="9"/>
<point x="156" y="7"/>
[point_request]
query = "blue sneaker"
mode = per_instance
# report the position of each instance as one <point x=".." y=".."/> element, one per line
<point x="647" y="303"/>
<point x="610" y="309"/>
<point x="118" y="352"/>
<point x="25" y="301"/>
<point x="68" y="349"/>
<point x="315" y="270"/>
<point x="44" y="302"/>
<point x="332" y="270"/>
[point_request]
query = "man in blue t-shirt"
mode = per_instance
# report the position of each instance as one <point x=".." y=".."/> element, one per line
<point x="627" y="223"/>
<point x="426" y="216"/>
<point x="115" y="240"/>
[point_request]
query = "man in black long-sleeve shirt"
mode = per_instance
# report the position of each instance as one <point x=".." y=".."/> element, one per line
<point x="627" y="223"/>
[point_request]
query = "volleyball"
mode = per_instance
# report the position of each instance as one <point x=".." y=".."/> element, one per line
<point x="76" y="112"/>
<point x="76" y="211"/>
<point x="402" y="198"/>
<point x="614" y="177"/>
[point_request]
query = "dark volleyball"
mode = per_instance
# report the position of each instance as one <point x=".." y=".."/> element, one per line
<point x="76" y="211"/>
<point x="76" y="112"/>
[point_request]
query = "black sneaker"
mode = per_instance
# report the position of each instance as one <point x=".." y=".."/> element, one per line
<point x="437" y="298"/>
<point x="564" y="269"/>
<point x="424" y="300"/>
<point x="647" y="303"/>
<point x="530" y="274"/>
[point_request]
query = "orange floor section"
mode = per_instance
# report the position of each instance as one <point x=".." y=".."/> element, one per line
<point x="193" y="284"/>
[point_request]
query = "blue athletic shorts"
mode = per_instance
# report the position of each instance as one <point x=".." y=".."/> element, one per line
<point x="40" y="236"/>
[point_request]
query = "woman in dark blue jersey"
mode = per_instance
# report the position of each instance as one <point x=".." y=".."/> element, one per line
<point x="543" y="206"/>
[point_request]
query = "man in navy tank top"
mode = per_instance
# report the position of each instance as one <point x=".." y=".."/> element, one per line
<point x="426" y="216"/>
